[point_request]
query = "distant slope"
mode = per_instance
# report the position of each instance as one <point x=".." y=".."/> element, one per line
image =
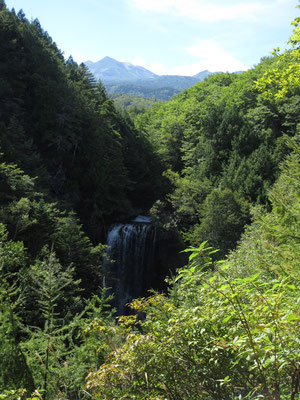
<point x="129" y="102"/>
<point x="203" y="74"/>
<point x="134" y="105"/>
<point x="177" y="82"/>
<point x="163" y="93"/>
<point x="162" y="87"/>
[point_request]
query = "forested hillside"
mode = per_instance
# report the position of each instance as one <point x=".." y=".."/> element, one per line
<point x="133" y="105"/>
<point x="70" y="166"/>
<point x="222" y="142"/>
<point x="218" y="165"/>
<point x="58" y="125"/>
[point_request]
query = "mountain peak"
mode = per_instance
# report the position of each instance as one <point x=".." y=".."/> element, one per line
<point x="203" y="74"/>
<point x="109" y="69"/>
<point x="107" y="58"/>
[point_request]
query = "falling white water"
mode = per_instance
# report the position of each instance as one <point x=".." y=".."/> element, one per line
<point x="129" y="268"/>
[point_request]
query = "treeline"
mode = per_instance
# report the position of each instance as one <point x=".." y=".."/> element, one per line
<point x="133" y="105"/>
<point x="140" y="90"/>
<point x="160" y="87"/>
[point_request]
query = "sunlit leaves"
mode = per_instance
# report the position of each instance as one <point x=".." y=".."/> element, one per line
<point x="228" y="335"/>
<point x="284" y="77"/>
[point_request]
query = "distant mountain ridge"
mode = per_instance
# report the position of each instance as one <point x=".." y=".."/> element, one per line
<point x="109" y="69"/>
<point x="124" y="77"/>
<point x="203" y="74"/>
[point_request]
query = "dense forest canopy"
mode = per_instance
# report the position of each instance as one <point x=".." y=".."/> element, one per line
<point x="222" y="142"/>
<point x="133" y="105"/>
<point x="218" y="165"/>
<point x="56" y="121"/>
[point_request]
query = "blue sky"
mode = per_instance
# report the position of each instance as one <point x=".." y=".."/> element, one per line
<point x="166" y="36"/>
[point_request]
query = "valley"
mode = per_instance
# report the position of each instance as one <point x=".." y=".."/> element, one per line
<point x="149" y="226"/>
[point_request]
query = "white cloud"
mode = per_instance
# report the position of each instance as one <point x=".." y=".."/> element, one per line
<point x="155" y="67"/>
<point x="285" y="1"/>
<point x="212" y="57"/>
<point x="139" y="61"/>
<point x="209" y="56"/>
<point x="200" y="9"/>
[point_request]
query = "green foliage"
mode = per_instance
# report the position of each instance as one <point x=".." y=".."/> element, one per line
<point x="46" y="347"/>
<point x="12" y="254"/>
<point x="14" y="183"/>
<point x="145" y="89"/>
<point x="281" y="228"/>
<point x="133" y="105"/>
<point x="223" y="218"/>
<point x="272" y="242"/>
<point x="283" y="79"/>
<point x="57" y="353"/>
<point x="14" y="371"/>
<point x="225" y="330"/>
<point x="35" y="222"/>
<point x="215" y="337"/>
<point x="56" y="122"/>
<point x="20" y="394"/>
<point x="220" y="135"/>
<point x="43" y="311"/>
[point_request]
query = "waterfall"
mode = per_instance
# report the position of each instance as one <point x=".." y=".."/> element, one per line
<point x="128" y="270"/>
